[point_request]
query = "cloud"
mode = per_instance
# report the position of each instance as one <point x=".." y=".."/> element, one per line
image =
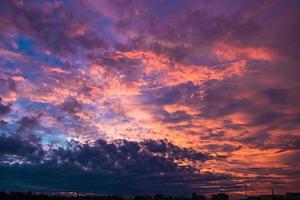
<point x="27" y="123"/>
<point x="14" y="149"/>
<point x="71" y="105"/>
<point x="124" y="167"/>
<point x="277" y="96"/>
<point x="4" y="109"/>
<point x="8" y="90"/>
<point x="173" y="73"/>
<point x="11" y="55"/>
<point x="175" y="117"/>
<point x="231" y="52"/>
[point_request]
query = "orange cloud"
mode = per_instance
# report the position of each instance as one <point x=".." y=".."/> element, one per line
<point x="17" y="78"/>
<point x="231" y="52"/>
<point x="175" y="73"/>
<point x="11" y="96"/>
<point x="152" y="61"/>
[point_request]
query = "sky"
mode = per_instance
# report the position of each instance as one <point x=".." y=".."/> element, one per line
<point x="136" y="97"/>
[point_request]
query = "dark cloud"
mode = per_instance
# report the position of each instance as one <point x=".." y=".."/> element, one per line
<point x="258" y="140"/>
<point x="14" y="145"/>
<point x="230" y="125"/>
<point x="2" y="123"/>
<point x="57" y="179"/>
<point x="124" y="167"/>
<point x="4" y="109"/>
<point x="277" y="96"/>
<point x="175" y="117"/>
<point x="223" y="148"/>
<point x="266" y="117"/>
<point x="211" y="134"/>
<point x="71" y="105"/>
<point x="27" y="123"/>
<point x="7" y="83"/>
<point x="170" y="150"/>
<point x="265" y="141"/>
<point x="128" y="154"/>
<point x="157" y="146"/>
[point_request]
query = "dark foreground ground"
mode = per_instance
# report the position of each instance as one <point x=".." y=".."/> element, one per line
<point x="74" y="196"/>
<point x="194" y="196"/>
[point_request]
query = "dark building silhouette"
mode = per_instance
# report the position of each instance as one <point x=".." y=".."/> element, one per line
<point x="196" y="196"/>
<point x="140" y="198"/>
<point x="158" y="197"/>
<point x="220" y="196"/>
<point x="292" y="196"/>
<point x="287" y="196"/>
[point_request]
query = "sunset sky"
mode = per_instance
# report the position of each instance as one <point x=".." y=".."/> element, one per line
<point x="150" y="96"/>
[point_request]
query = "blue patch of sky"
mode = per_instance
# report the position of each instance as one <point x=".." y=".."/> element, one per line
<point x="3" y="6"/>
<point x="10" y="64"/>
<point x="55" y="137"/>
<point x="27" y="46"/>
<point x="37" y="106"/>
<point x="32" y="106"/>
